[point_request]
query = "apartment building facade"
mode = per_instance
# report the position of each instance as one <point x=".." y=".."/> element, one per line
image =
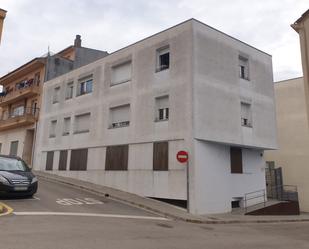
<point x="121" y="120"/>
<point x="292" y="105"/>
<point x="2" y="17"/>
<point x="20" y="99"/>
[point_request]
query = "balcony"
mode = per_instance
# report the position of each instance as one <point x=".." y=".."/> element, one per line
<point x="11" y="120"/>
<point x="21" y="91"/>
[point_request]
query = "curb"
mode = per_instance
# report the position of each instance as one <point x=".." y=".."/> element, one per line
<point x="169" y="215"/>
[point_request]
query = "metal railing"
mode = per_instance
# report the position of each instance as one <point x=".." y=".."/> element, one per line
<point x="283" y="193"/>
<point x="255" y="198"/>
<point x="7" y="115"/>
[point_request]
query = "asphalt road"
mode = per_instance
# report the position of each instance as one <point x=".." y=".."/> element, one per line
<point x="67" y="218"/>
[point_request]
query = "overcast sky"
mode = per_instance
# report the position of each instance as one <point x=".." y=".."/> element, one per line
<point x="33" y="25"/>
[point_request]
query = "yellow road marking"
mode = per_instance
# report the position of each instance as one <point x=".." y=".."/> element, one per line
<point x="7" y="209"/>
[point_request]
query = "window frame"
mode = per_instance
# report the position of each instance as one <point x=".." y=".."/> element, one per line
<point x="244" y="67"/>
<point x="56" y="95"/>
<point x="69" y="89"/>
<point x="53" y="135"/>
<point x="81" y="131"/>
<point x="82" y="86"/>
<point x="159" y="53"/>
<point x="64" y="132"/>
<point x="117" y="66"/>
<point x="236" y="160"/>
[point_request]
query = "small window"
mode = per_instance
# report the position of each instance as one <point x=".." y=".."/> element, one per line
<point x="52" y="128"/>
<point x="79" y="159"/>
<point x="69" y="90"/>
<point x="162" y="108"/>
<point x="82" y="123"/>
<point x="236" y="160"/>
<point x="14" y="148"/>
<point x="66" y="126"/>
<point x="243" y="67"/>
<point x="163" y="59"/>
<point x="121" y="73"/>
<point x="85" y="86"/>
<point x="246" y="114"/>
<point x="49" y="160"/>
<point x="56" y="95"/>
<point x="160" y="156"/>
<point x="117" y="157"/>
<point x="120" y="116"/>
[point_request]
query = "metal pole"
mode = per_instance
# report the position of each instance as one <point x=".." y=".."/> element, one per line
<point x="188" y="206"/>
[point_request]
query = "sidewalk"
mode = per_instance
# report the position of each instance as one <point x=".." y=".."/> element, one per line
<point x="168" y="210"/>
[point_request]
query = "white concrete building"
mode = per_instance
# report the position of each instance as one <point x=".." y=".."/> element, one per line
<point x="120" y="121"/>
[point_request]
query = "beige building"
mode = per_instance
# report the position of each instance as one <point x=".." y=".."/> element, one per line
<point x="2" y="16"/>
<point x="292" y="105"/>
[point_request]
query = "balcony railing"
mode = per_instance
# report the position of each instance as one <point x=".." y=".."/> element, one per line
<point x="20" y="91"/>
<point x="13" y="119"/>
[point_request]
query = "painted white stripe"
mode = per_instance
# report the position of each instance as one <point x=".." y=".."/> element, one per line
<point x="88" y="215"/>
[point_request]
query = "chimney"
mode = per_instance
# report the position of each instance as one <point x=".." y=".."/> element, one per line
<point x="77" y="41"/>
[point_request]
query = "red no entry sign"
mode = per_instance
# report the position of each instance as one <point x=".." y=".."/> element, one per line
<point x="182" y="156"/>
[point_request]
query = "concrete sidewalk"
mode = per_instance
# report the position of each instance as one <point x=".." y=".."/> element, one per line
<point x="168" y="210"/>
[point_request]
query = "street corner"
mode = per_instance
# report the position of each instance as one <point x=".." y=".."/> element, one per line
<point x="5" y="209"/>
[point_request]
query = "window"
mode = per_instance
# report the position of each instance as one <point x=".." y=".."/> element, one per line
<point x="236" y="160"/>
<point x="160" y="156"/>
<point x="63" y="160"/>
<point x="14" y="148"/>
<point x="82" y="123"/>
<point x="117" y="157"/>
<point x="18" y="111"/>
<point x="52" y="128"/>
<point x="243" y="67"/>
<point x="0" y="148"/>
<point x="246" y="114"/>
<point x="49" y="160"/>
<point x="120" y="116"/>
<point x="162" y="108"/>
<point x="79" y="159"/>
<point x="84" y="85"/>
<point x="69" y="90"/>
<point x="66" y="126"/>
<point x="56" y="95"/>
<point x="163" y="59"/>
<point x="121" y="73"/>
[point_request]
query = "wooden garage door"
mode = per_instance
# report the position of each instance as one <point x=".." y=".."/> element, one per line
<point x="79" y="159"/>
<point x="160" y="156"/>
<point x="49" y="160"/>
<point x="63" y="160"/>
<point x="117" y="157"/>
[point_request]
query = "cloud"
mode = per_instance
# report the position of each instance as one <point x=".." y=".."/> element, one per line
<point x="33" y="25"/>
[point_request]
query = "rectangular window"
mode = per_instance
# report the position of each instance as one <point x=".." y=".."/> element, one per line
<point x="69" y="90"/>
<point x="236" y="160"/>
<point x="121" y="73"/>
<point x="120" y="116"/>
<point x="56" y="95"/>
<point x="52" y="128"/>
<point x="117" y="157"/>
<point x="18" y="111"/>
<point x="162" y="108"/>
<point x="49" y="160"/>
<point x="79" y="159"/>
<point x="14" y="148"/>
<point x="63" y="160"/>
<point x="160" y="156"/>
<point x="85" y="85"/>
<point x="246" y="114"/>
<point x="82" y="123"/>
<point x="66" y="126"/>
<point x="243" y="67"/>
<point x="163" y="59"/>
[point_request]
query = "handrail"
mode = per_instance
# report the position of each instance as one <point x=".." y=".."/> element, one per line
<point x="248" y="198"/>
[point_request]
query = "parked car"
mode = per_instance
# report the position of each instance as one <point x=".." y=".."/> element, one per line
<point x="16" y="177"/>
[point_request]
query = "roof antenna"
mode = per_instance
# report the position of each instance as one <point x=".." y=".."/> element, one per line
<point x="48" y="50"/>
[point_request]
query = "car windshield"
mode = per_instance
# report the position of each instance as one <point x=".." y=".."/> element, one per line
<point x="11" y="164"/>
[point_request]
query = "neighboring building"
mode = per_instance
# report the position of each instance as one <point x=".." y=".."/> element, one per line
<point x="292" y="104"/>
<point x="20" y="99"/>
<point x="120" y="121"/>
<point x="2" y="16"/>
<point x="293" y="137"/>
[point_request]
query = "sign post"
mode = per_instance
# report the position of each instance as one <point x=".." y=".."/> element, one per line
<point x="183" y="157"/>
